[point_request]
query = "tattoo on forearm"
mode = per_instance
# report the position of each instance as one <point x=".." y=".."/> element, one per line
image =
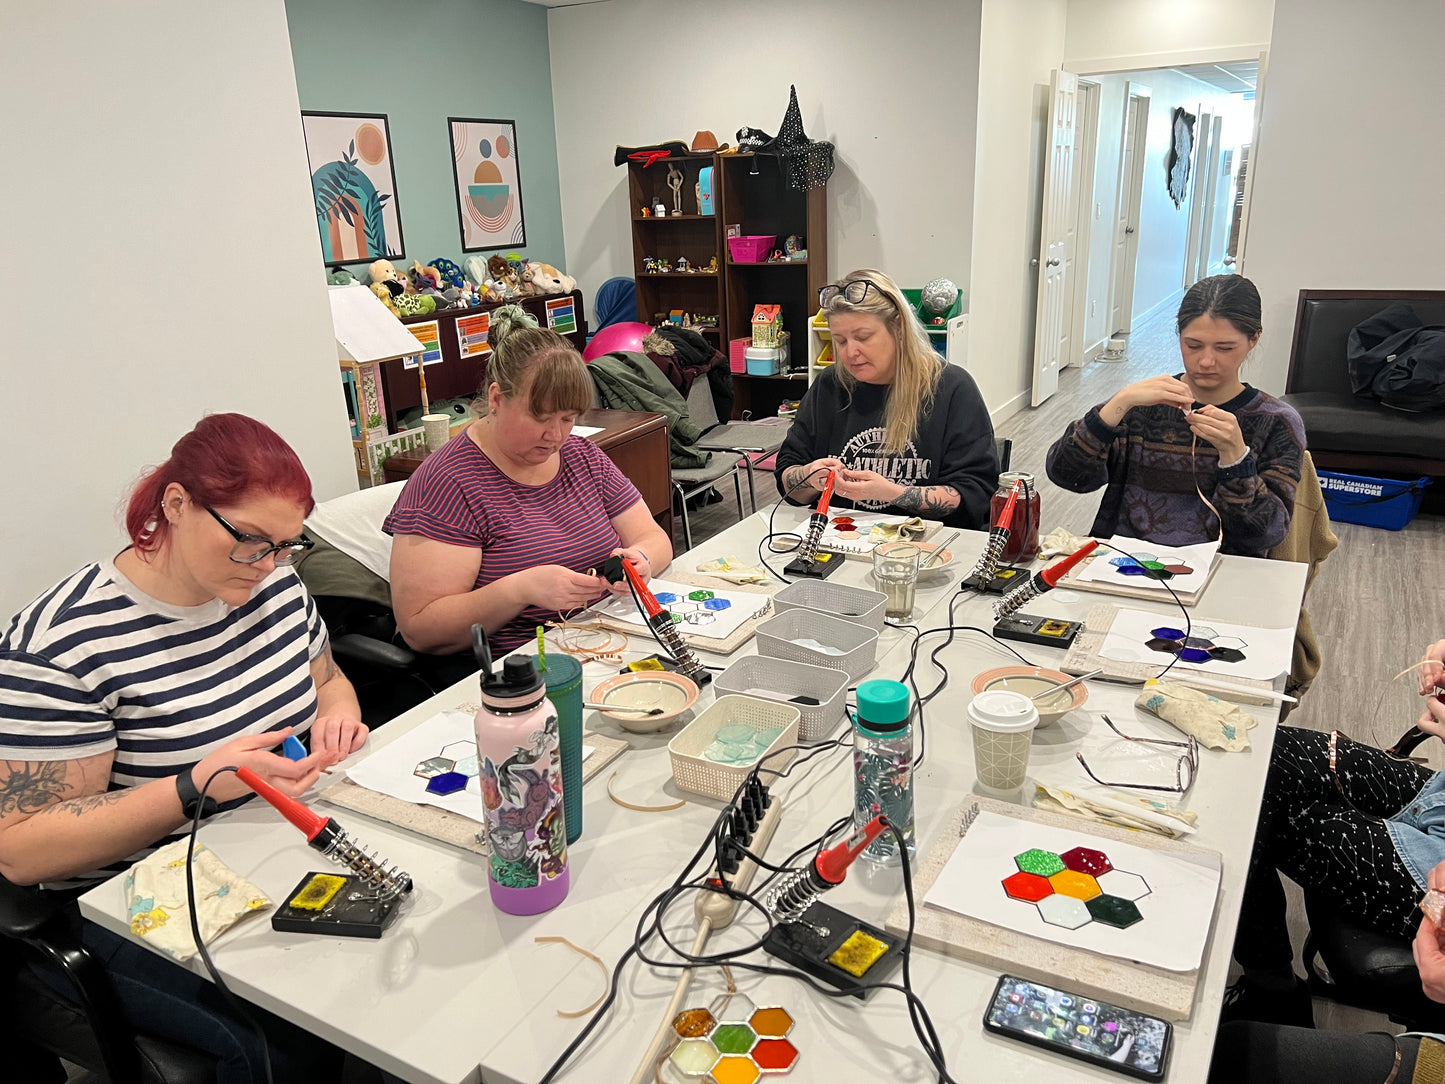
<point x="793" y="477"/>
<point x="331" y="668"/>
<point x="28" y="788"/>
<point x="931" y="502"/>
<point x="78" y="807"/>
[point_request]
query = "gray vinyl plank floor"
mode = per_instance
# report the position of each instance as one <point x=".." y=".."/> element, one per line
<point x="1374" y="604"/>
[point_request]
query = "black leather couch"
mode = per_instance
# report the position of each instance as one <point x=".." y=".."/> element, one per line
<point x="1343" y="431"/>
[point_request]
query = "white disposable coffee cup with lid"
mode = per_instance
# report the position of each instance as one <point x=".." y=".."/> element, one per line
<point x="1003" y="725"/>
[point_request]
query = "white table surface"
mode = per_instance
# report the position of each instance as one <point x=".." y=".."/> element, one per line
<point x="458" y="991"/>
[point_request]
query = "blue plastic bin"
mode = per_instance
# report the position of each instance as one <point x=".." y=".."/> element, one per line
<point x="1390" y="503"/>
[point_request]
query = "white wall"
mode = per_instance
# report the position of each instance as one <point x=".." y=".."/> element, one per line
<point x="1106" y="196"/>
<point x="1347" y="177"/>
<point x="895" y="92"/>
<point x="1164" y="228"/>
<point x="1119" y="35"/>
<point x="1022" y="41"/>
<point x="161" y="261"/>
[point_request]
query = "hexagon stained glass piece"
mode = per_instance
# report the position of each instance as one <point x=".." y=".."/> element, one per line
<point x="446" y="783"/>
<point x="1142" y="557"/>
<point x="738" y="1010"/>
<point x="1124" y="886"/>
<point x="1029" y="887"/>
<point x="1081" y="886"/>
<point x="1044" y="863"/>
<point x="666" y="598"/>
<point x="1122" y="562"/>
<point x="733" y="1038"/>
<point x="1065" y="911"/>
<point x="1158" y="573"/>
<point x="1133" y="570"/>
<point x="1178" y="570"/>
<point x="1166" y="646"/>
<point x="1164" y="632"/>
<point x="469" y="766"/>
<point x="699" y="596"/>
<point x="1087" y="860"/>
<point x="693" y="1024"/>
<point x="775" y="1055"/>
<point x="1229" y="641"/>
<point x="1193" y="654"/>
<point x="456" y="750"/>
<point x="1202" y="630"/>
<point x="1112" y="911"/>
<point x="693" y="1057"/>
<point x="1153" y="566"/>
<point x="1199" y="642"/>
<point x="735" y="1070"/>
<point x="717" y="604"/>
<point x="1226" y="654"/>
<point x="700" y="617"/>
<point x="772" y="1021"/>
<point x="434" y="766"/>
<point x="676" y="618"/>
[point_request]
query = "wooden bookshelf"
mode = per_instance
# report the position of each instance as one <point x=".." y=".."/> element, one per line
<point x="696" y="236"/>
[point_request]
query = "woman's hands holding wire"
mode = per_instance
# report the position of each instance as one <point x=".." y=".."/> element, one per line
<point x="865" y="485"/>
<point x="1432" y="670"/>
<point x="1221" y="429"/>
<point x="555" y="587"/>
<point x="640" y="564"/>
<point x="1156" y="390"/>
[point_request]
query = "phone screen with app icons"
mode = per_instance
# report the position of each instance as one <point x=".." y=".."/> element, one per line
<point x="1081" y="1027"/>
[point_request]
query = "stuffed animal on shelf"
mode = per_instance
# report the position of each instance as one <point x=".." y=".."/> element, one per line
<point x="384" y="296"/>
<point x="416" y="304"/>
<point x="425" y="278"/>
<point x="339" y="276"/>
<point x="451" y="274"/>
<point x="384" y="273"/>
<point x="546" y="279"/>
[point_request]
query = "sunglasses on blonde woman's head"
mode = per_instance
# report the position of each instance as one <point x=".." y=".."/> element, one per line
<point x="250" y="548"/>
<point x="854" y="291"/>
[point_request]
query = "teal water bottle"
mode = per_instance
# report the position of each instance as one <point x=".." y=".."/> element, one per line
<point x="883" y="766"/>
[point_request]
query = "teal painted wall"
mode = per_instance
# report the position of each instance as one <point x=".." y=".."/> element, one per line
<point x="420" y="64"/>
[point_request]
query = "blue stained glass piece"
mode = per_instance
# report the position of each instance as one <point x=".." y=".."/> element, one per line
<point x="717" y="604"/>
<point x="447" y="783"/>
<point x="1193" y="654"/>
<point x="1122" y="562"/>
<point x="1133" y="570"/>
<point x="666" y="598"/>
<point x="1166" y="633"/>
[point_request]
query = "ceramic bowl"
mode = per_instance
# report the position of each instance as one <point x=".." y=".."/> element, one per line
<point x="674" y="693"/>
<point x="1031" y="680"/>
<point x="943" y="564"/>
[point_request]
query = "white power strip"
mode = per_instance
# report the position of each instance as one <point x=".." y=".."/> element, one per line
<point x="720" y="907"/>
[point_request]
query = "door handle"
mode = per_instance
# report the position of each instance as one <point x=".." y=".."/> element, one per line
<point x="1229" y="261"/>
<point x="1034" y="262"/>
<point x="1052" y="263"/>
<point x="1128" y="229"/>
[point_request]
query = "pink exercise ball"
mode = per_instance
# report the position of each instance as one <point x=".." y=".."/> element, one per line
<point x="616" y="337"/>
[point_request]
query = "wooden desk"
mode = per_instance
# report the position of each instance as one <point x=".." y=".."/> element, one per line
<point x="636" y="440"/>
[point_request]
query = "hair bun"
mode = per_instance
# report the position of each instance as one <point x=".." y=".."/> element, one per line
<point x="507" y="319"/>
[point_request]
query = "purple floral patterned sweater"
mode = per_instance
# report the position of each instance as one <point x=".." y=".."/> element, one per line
<point x="1149" y="477"/>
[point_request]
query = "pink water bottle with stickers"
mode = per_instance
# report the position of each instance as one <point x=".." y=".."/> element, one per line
<point x="519" y="754"/>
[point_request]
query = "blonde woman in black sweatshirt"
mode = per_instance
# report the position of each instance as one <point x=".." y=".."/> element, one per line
<point x="906" y="432"/>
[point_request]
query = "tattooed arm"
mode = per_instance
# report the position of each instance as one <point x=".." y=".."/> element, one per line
<point x="338" y="729"/>
<point x="57" y="818"/>
<point x="930" y="502"/>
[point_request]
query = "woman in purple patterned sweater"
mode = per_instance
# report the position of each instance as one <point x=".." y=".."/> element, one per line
<point x="1161" y="443"/>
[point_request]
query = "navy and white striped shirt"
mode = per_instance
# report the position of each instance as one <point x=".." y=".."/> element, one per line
<point x="95" y="664"/>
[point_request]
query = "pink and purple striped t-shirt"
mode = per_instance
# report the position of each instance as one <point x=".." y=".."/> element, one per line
<point x="460" y="497"/>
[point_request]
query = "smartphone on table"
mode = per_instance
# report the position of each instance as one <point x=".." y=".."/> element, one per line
<point x="1081" y="1027"/>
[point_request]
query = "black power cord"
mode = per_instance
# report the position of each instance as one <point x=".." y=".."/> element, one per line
<point x="767" y="539"/>
<point x="235" y="1002"/>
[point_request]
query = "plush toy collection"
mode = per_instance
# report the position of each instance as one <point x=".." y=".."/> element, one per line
<point x="441" y="284"/>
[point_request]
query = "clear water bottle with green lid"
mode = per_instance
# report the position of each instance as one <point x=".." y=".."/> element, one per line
<point x="883" y="766"/>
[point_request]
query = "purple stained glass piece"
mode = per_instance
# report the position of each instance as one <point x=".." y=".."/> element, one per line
<point x="1164" y="632"/>
<point x="447" y="783"/>
<point x="1199" y="642"/>
<point x="1193" y="654"/>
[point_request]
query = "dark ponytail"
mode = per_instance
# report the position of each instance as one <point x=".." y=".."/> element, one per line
<point x="1224" y="297"/>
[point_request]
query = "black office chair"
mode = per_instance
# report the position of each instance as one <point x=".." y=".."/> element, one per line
<point x="1356" y="966"/>
<point x="85" y="1028"/>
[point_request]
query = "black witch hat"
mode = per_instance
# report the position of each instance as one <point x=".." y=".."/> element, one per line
<point x="807" y="163"/>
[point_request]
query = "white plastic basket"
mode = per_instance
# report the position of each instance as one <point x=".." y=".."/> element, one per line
<point x="857" y="644"/>
<point x="856" y="604"/>
<point x="694" y="772"/>
<point x="785" y="679"/>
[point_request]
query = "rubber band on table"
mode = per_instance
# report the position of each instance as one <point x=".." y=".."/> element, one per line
<point x="606" y="977"/>
<point x="608" y="651"/>
<point x="640" y="808"/>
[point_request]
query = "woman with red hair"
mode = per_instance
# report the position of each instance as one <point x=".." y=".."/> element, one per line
<point x="128" y="686"/>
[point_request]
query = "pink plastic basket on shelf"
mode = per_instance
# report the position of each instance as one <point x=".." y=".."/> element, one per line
<point x="737" y="353"/>
<point x="752" y="248"/>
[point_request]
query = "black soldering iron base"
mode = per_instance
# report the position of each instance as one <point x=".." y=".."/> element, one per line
<point x="823" y="565"/>
<point x="1005" y="579"/>
<point x="802" y="945"/>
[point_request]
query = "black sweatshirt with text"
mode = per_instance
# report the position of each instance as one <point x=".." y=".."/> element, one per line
<point x="954" y="444"/>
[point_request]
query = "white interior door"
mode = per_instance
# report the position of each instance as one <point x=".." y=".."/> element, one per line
<point x="1055" y="322"/>
<point x="1210" y="182"/>
<point x="1253" y="161"/>
<point x="1086" y="147"/>
<point x="1198" y="186"/>
<point x="1126" y="216"/>
<point x="1223" y="208"/>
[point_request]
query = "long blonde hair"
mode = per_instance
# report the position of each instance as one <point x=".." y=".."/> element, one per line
<point x="917" y="369"/>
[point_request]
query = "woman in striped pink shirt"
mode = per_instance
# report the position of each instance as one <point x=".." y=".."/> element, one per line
<point x="503" y="525"/>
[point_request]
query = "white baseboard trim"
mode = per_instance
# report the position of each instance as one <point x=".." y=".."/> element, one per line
<point x="1009" y="409"/>
<point x="1171" y="301"/>
<point x="1093" y="351"/>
